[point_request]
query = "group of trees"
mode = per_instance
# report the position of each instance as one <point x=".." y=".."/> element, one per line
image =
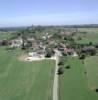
<point x="49" y="53"/>
<point x="61" y="68"/>
<point x="63" y="65"/>
<point x="4" y="42"/>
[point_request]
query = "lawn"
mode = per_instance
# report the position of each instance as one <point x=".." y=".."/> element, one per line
<point x="91" y="64"/>
<point x="73" y="83"/>
<point x="25" y="80"/>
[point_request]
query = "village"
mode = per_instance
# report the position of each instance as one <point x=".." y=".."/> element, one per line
<point x="49" y="50"/>
<point x="44" y="48"/>
<point x="49" y="46"/>
<point x="58" y="53"/>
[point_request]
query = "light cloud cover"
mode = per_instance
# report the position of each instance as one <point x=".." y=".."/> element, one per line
<point x="48" y="12"/>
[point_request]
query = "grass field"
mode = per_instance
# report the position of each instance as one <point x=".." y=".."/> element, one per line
<point x="91" y="64"/>
<point x="86" y="38"/>
<point x="5" y="35"/>
<point x="25" y="80"/>
<point x="73" y="83"/>
<point x="88" y="30"/>
<point x="90" y="36"/>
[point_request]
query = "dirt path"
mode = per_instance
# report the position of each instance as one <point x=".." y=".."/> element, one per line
<point x="55" y="84"/>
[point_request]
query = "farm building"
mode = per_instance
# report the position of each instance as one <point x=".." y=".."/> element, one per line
<point x="16" y="42"/>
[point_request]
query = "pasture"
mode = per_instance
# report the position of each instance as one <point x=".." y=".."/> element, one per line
<point x="74" y="83"/>
<point x="25" y="80"/>
<point x="91" y="65"/>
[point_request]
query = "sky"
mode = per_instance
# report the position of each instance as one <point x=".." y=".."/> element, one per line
<point x="48" y="12"/>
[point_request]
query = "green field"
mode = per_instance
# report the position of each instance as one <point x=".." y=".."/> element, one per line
<point x="74" y="83"/>
<point x="5" y="35"/>
<point x="88" y="30"/>
<point x="91" y="35"/>
<point x="91" y="64"/>
<point x="25" y="80"/>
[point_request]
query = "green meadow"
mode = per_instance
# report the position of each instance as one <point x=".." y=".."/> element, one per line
<point x="5" y="35"/>
<point x="91" y="65"/>
<point x="74" y="83"/>
<point x="21" y="80"/>
<point x="87" y="35"/>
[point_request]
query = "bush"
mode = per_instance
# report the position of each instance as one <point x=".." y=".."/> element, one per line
<point x="61" y="63"/>
<point x="67" y="67"/>
<point x="48" y="55"/>
<point x="82" y="57"/>
<point x="60" y="70"/>
<point x="96" y="90"/>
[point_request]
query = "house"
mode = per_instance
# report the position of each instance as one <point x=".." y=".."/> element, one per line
<point x="61" y="47"/>
<point x="69" y="51"/>
<point x="66" y="33"/>
<point x="31" y="39"/>
<point x="51" y="42"/>
<point x="36" y="45"/>
<point x="65" y="50"/>
<point x="16" y="42"/>
<point x="46" y="36"/>
<point x="37" y="54"/>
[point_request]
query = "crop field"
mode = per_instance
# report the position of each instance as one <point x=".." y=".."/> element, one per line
<point x="25" y="80"/>
<point x="74" y="83"/>
<point x="91" y="64"/>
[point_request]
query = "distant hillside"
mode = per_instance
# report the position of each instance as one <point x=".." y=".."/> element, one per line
<point x="56" y="26"/>
<point x="11" y="28"/>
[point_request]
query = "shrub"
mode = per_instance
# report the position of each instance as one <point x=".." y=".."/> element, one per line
<point x="60" y="70"/>
<point x="96" y="90"/>
<point x="61" y="63"/>
<point x="67" y="67"/>
<point x="82" y="57"/>
<point x="48" y="55"/>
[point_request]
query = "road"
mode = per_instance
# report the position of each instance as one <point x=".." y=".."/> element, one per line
<point x="55" y="84"/>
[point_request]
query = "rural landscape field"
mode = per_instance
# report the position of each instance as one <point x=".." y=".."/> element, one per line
<point x="24" y="80"/>
<point x="58" y="65"/>
<point x="48" y="49"/>
<point x="74" y="83"/>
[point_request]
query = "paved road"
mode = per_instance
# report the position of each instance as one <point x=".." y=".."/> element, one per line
<point x="55" y="85"/>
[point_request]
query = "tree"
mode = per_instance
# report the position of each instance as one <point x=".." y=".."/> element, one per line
<point x="67" y="66"/>
<point x="90" y="43"/>
<point x="5" y="42"/>
<point x="89" y="50"/>
<point x="24" y="38"/>
<point x="49" y="53"/>
<point x="61" y="63"/>
<point x="60" y="70"/>
<point x="82" y="56"/>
